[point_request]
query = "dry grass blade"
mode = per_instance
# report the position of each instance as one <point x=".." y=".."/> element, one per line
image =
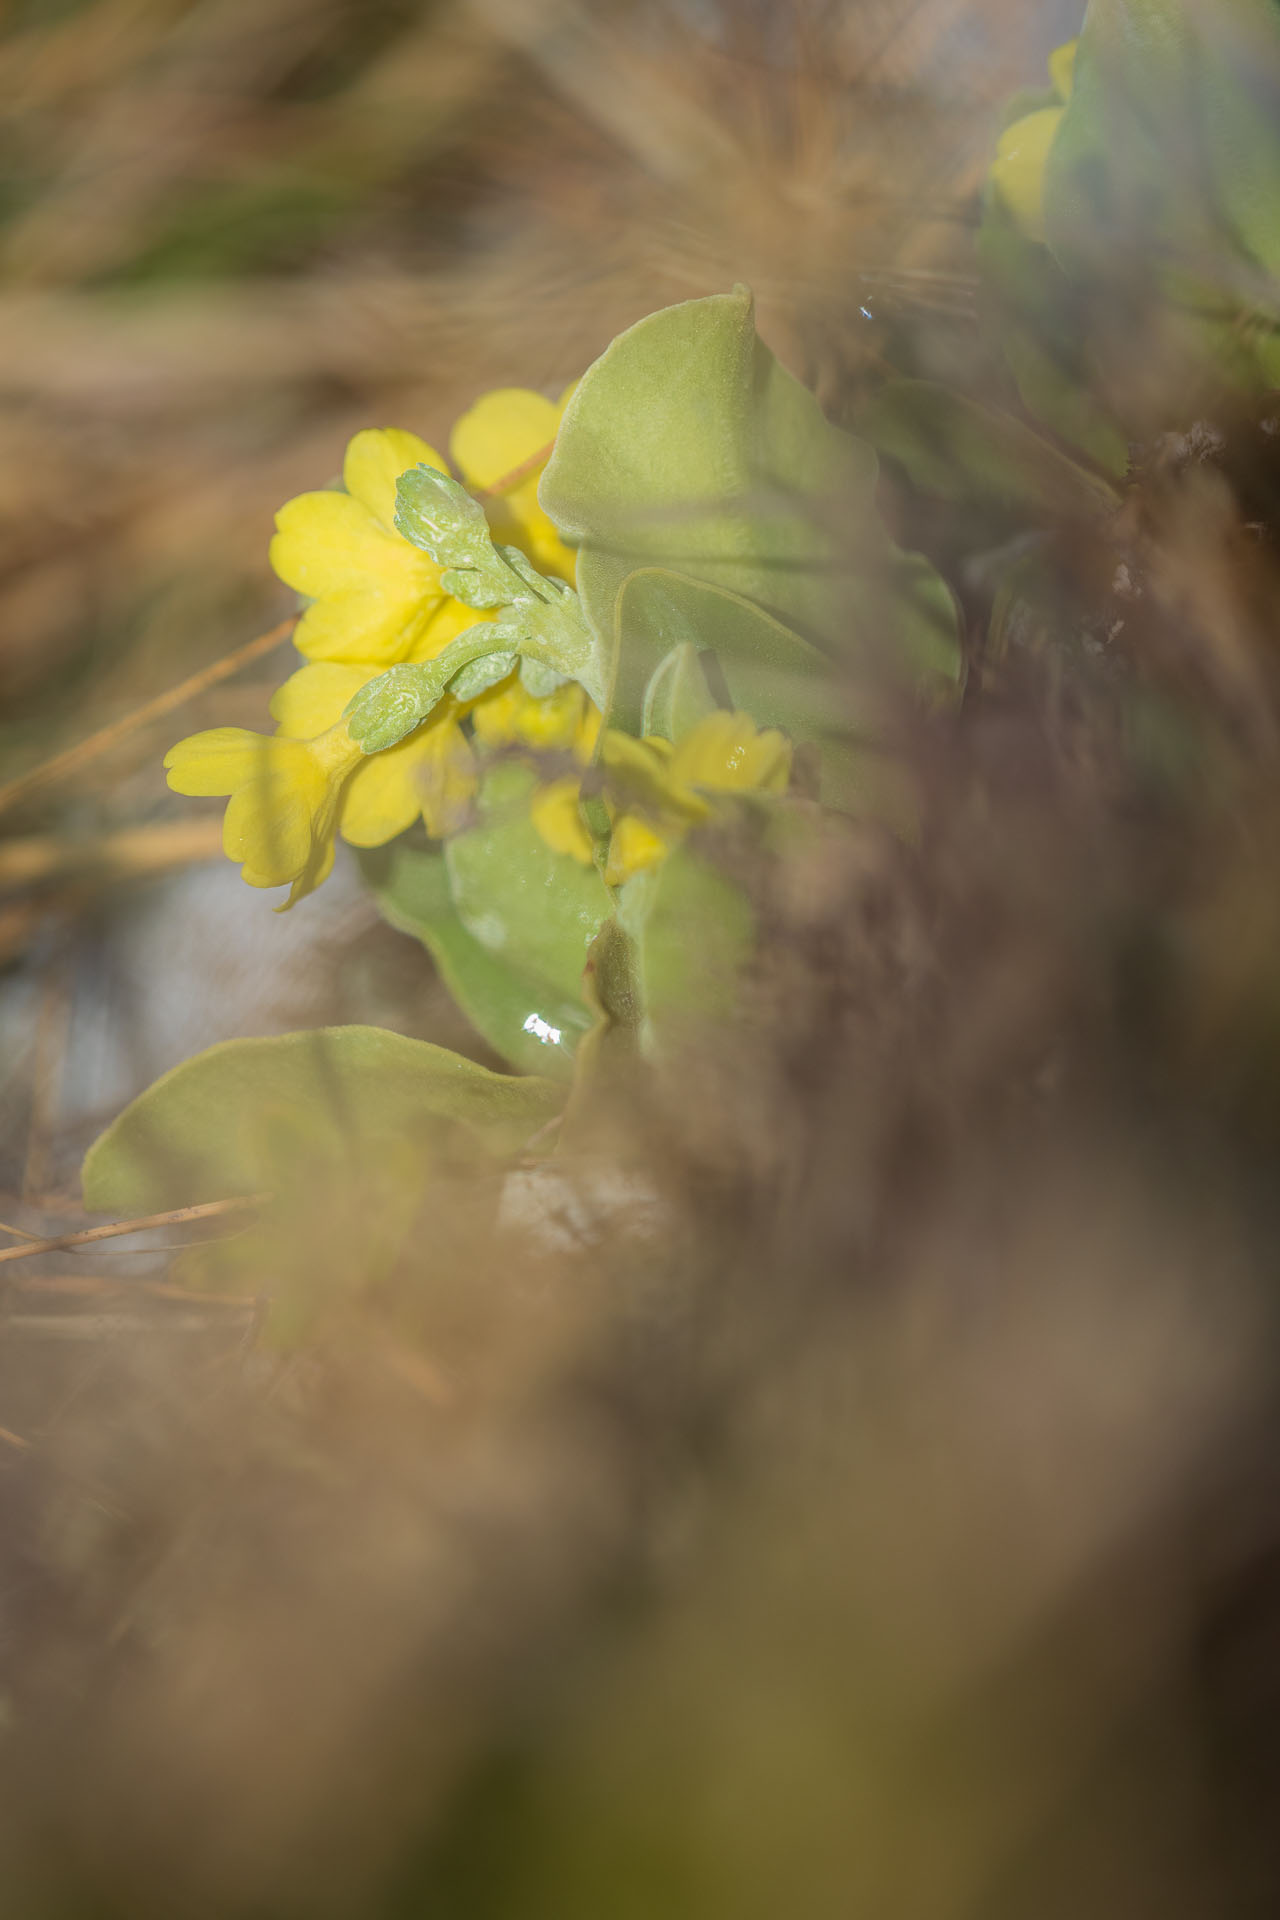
<point x="131" y="851"/>
<point x="85" y="750"/>
<point x="177" y="1216"/>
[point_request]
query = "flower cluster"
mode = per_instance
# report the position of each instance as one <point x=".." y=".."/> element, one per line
<point x="375" y="600"/>
<point x="1017" y="173"/>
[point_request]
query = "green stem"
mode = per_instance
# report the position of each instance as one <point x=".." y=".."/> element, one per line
<point x="389" y="708"/>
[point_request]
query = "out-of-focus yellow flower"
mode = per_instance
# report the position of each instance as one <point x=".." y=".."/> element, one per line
<point x="556" y="813"/>
<point x="655" y="792"/>
<point x="376" y="598"/>
<point x="659" y="789"/>
<point x="1022" y="152"/>
<point x="500" y="448"/>
<point x="562" y="722"/>
<point x="726" y="753"/>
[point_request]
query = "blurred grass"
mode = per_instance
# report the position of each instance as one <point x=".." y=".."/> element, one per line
<point x="237" y="230"/>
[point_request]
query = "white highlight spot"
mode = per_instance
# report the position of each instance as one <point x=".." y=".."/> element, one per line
<point x="542" y="1030"/>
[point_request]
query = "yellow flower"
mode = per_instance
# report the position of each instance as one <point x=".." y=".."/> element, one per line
<point x="565" y="721"/>
<point x="658" y="788"/>
<point x="432" y="772"/>
<point x="556" y="813"/>
<point x="655" y="791"/>
<point x="292" y="792"/>
<point x="284" y="799"/>
<point x="375" y="598"/>
<point x="1022" y="152"/>
<point x="500" y="448"/>
<point x="562" y="722"/>
<point x="375" y="602"/>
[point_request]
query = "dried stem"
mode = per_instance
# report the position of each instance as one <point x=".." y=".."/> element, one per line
<point x="177" y="1216"/>
<point x="86" y="750"/>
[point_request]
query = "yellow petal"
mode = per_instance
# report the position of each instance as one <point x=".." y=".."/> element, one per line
<point x="555" y="813"/>
<point x="269" y="821"/>
<point x="635" y="846"/>
<point x="314" y="874"/>
<point x="445" y="776"/>
<point x="313" y="699"/>
<point x="552" y="724"/>
<point x="495" y="715"/>
<point x="640" y="774"/>
<point x="330" y="543"/>
<point x="381" y="799"/>
<point x="534" y="531"/>
<point x="495" y="441"/>
<point x="367" y="626"/>
<point x="215" y="762"/>
<point x="584" y="742"/>
<point x="374" y="593"/>
<point x="726" y="753"/>
<point x="559" y="722"/>
<point x="375" y="460"/>
<point x="1062" y="68"/>
<point x="1017" y="173"/>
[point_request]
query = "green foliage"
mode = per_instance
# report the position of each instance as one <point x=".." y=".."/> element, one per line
<point x="688" y="452"/>
<point x="249" y="1115"/>
<point x="692" y="933"/>
<point x="521" y="901"/>
<point x="687" y="445"/>
<point x="680" y="690"/>
<point x="950" y="446"/>
<point x="764" y="668"/>
<point x="1036" y="315"/>
<point x="1168" y="158"/>
<point x="533" y="1023"/>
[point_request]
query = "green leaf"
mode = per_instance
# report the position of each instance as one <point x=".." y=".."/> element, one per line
<point x="686" y="445"/>
<point x="1040" y="319"/>
<point x="678" y="694"/>
<point x="525" y="904"/>
<point x="779" y="679"/>
<point x="251" y="1115"/>
<point x="1238" y="84"/>
<point x="693" y="934"/>
<point x="687" y="452"/>
<point x="1170" y="143"/>
<point x="477" y="677"/>
<point x="530" y="1022"/>
<point x="767" y="670"/>
<point x="951" y="447"/>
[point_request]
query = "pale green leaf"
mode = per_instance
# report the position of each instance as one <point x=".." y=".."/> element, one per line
<point x="531" y="1022"/>
<point x="525" y="904"/>
<point x="950" y="446"/>
<point x="687" y="445"/>
<point x="251" y="1115"/>
<point x="678" y="694"/>
<point x="693" y="934"/>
